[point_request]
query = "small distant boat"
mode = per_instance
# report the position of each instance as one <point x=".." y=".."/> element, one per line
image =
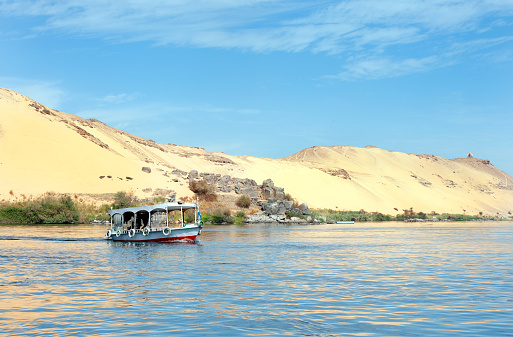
<point x="152" y="223"/>
<point x="345" y="222"/>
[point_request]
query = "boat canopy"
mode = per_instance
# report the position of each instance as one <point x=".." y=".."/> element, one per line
<point x="169" y="206"/>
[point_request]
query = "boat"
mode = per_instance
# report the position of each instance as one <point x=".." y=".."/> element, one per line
<point x="345" y="222"/>
<point x="161" y="222"/>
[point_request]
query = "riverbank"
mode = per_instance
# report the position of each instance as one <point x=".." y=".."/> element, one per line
<point x="52" y="208"/>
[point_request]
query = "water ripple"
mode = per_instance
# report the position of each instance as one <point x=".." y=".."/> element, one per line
<point x="386" y="279"/>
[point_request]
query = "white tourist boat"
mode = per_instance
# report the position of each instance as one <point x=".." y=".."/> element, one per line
<point x="162" y="222"/>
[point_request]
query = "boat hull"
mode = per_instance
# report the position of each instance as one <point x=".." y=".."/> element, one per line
<point x="186" y="234"/>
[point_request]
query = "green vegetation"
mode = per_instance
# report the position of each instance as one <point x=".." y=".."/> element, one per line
<point x="358" y="216"/>
<point x="54" y="208"/>
<point x="240" y="216"/>
<point x="49" y="209"/>
<point x="409" y="214"/>
<point x="218" y="216"/>
<point x="123" y="199"/>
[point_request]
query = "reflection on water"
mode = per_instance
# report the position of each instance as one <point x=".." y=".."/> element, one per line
<point x="386" y="279"/>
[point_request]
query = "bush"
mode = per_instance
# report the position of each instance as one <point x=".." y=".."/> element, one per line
<point x="243" y="201"/>
<point x="240" y="216"/>
<point x="12" y="214"/>
<point x="51" y="209"/>
<point x="203" y="190"/>
<point x="288" y="197"/>
<point x="221" y="215"/>
<point x="123" y="199"/>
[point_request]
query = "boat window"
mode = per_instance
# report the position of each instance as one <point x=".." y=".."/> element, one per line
<point x="117" y="219"/>
<point x="158" y="219"/>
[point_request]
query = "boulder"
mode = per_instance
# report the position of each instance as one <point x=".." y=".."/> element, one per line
<point x="146" y="169"/>
<point x="249" y="191"/>
<point x="303" y="208"/>
<point x="297" y="220"/>
<point x="226" y="189"/>
<point x="274" y="207"/>
<point x="278" y="217"/>
<point x="279" y="193"/>
<point x="289" y="205"/>
<point x="224" y="180"/>
<point x="267" y="193"/>
<point x="268" y="183"/>
<point x="259" y="217"/>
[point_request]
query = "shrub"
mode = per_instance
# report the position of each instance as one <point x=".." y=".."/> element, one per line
<point x="243" y="201"/>
<point x="240" y="216"/>
<point x="289" y="197"/>
<point x="12" y="214"/>
<point x="159" y="200"/>
<point x="203" y="190"/>
<point x="51" y="209"/>
<point x="123" y="199"/>
<point x="221" y="215"/>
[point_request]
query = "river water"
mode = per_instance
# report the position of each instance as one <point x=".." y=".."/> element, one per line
<point x="384" y="279"/>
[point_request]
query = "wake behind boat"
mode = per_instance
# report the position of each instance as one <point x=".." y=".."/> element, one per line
<point x="154" y="223"/>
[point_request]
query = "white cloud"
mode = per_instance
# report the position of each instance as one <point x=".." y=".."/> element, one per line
<point x="376" y="68"/>
<point x="117" y="99"/>
<point x="261" y="25"/>
<point x="363" y="29"/>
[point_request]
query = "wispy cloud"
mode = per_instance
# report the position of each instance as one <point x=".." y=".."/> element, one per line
<point x="366" y="32"/>
<point x="117" y="99"/>
<point x="110" y="110"/>
<point x="376" y="68"/>
<point x="45" y="92"/>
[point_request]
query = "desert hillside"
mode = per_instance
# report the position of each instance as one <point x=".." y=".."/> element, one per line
<point x="43" y="150"/>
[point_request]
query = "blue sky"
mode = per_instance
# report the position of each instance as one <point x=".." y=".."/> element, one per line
<point x="269" y="78"/>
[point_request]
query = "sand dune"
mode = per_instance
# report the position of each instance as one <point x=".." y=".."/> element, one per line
<point x="45" y="150"/>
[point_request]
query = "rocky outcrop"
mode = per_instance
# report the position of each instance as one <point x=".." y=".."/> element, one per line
<point x="270" y="198"/>
<point x="303" y="208"/>
<point x="228" y="184"/>
<point x="273" y="206"/>
<point x="262" y="217"/>
<point x="271" y="191"/>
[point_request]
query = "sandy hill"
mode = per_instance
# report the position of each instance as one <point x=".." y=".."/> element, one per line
<point x="43" y="150"/>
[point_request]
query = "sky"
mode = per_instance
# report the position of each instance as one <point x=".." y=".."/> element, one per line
<point x="268" y="78"/>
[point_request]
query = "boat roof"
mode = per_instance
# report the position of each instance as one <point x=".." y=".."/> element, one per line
<point x="170" y="206"/>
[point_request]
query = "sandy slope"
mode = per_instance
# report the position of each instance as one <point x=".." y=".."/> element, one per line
<point x="45" y="150"/>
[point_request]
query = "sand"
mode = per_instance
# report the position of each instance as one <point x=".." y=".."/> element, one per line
<point x="44" y="150"/>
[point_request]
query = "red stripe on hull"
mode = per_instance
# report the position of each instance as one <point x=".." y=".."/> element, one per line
<point x="175" y="238"/>
<point x="190" y="238"/>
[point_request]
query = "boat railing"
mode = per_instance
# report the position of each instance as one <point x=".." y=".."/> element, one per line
<point x="157" y="225"/>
